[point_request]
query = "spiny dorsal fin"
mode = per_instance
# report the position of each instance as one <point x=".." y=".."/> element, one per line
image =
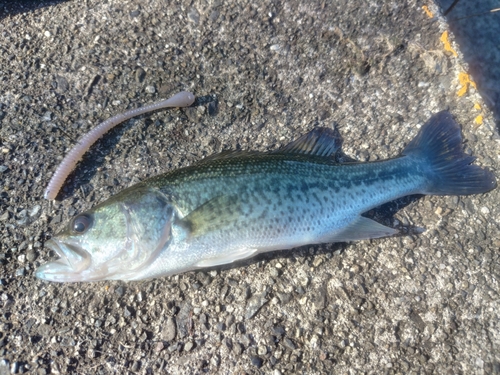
<point x="319" y="141"/>
<point x="228" y="155"/>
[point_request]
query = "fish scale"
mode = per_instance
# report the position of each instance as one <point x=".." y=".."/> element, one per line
<point x="274" y="210"/>
<point x="237" y="204"/>
<point x="286" y="181"/>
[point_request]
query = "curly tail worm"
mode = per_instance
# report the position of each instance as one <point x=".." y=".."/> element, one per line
<point x="181" y="99"/>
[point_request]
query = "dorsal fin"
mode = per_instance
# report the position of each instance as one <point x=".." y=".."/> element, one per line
<point x="319" y="142"/>
<point x="228" y="155"/>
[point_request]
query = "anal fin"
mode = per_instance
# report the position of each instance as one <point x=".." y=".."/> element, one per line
<point x="362" y="229"/>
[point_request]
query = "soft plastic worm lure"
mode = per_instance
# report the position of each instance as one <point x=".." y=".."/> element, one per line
<point x="181" y="99"/>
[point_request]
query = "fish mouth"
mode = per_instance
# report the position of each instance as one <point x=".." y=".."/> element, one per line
<point x="72" y="261"/>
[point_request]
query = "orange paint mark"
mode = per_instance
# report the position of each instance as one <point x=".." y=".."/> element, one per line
<point x="466" y="81"/>
<point x="479" y="120"/>
<point x="463" y="78"/>
<point x="462" y="91"/>
<point x="447" y="44"/>
<point x="427" y="11"/>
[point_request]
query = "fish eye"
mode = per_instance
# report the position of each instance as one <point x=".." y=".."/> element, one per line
<point x="81" y="223"/>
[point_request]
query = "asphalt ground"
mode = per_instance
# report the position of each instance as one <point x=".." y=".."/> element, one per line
<point x="264" y="73"/>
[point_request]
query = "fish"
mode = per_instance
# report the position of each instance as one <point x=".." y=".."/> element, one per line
<point x="234" y="205"/>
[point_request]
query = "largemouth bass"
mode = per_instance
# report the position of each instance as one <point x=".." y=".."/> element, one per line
<point x="234" y="205"/>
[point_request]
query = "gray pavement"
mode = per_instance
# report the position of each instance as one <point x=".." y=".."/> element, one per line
<point x="265" y="72"/>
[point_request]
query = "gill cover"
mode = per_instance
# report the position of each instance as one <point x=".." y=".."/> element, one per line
<point x="115" y="240"/>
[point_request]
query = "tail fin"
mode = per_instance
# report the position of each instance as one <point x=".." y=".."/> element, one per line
<point x="439" y="146"/>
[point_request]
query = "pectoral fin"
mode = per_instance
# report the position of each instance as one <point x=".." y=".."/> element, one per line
<point x="361" y="229"/>
<point x="218" y="213"/>
<point x="233" y="256"/>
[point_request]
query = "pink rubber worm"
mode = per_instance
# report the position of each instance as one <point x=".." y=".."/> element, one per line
<point x="181" y="99"/>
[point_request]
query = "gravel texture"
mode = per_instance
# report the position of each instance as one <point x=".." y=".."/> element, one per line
<point x="264" y="73"/>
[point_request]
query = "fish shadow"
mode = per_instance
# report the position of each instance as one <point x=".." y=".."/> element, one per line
<point x="25" y="6"/>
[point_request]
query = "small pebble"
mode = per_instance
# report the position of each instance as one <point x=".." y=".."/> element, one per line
<point x="215" y="361"/>
<point x="278" y="331"/>
<point x="229" y="343"/>
<point x="237" y="349"/>
<point x="141" y="296"/>
<point x="214" y="15"/>
<point x="254" y="304"/>
<point x="62" y="84"/>
<point x="159" y="346"/>
<point x="35" y="210"/>
<point x="256" y="361"/>
<point x="127" y="311"/>
<point x="20" y="272"/>
<point x="194" y="16"/>
<point x="136" y="366"/>
<point x="169" y="331"/>
<point x="289" y="343"/>
<point x="212" y="108"/>
<point x="140" y="74"/>
<point x="317" y="261"/>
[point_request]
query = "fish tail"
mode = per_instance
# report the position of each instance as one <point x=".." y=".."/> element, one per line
<point x="439" y="146"/>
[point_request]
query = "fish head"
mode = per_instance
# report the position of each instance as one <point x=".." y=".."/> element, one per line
<point x="114" y="240"/>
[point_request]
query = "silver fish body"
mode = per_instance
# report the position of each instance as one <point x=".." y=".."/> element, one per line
<point x="237" y="204"/>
